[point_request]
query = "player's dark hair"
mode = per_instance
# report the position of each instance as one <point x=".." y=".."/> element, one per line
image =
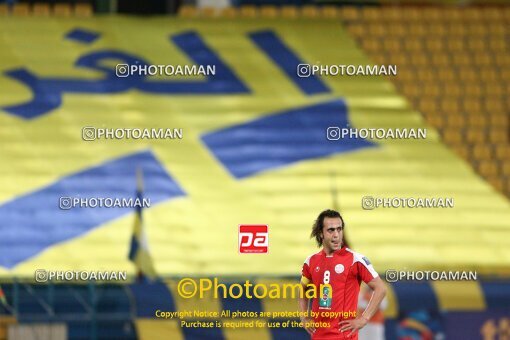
<point x="319" y="224"/>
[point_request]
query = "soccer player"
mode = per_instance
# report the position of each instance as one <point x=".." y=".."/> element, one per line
<point x="336" y="272"/>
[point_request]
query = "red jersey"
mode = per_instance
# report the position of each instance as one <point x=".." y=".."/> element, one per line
<point x="343" y="270"/>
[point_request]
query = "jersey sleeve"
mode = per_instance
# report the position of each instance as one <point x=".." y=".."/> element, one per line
<point x="366" y="271"/>
<point x="306" y="277"/>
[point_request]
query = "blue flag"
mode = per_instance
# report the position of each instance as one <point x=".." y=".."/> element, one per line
<point x="139" y="252"/>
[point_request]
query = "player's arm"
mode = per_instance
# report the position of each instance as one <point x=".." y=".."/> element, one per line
<point x="367" y="273"/>
<point x="303" y="303"/>
<point x="379" y="292"/>
<point x="379" y="289"/>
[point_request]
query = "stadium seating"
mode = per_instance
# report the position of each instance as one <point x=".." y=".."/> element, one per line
<point x="462" y="74"/>
<point x="44" y="9"/>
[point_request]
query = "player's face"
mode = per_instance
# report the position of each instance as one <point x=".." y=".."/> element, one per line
<point x="332" y="234"/>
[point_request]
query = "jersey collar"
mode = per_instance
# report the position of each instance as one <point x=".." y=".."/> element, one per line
<point x="340" y="251"/>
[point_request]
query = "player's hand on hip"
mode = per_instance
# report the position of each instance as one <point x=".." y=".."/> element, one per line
<point x="308" y="325"/>
<point x="353" y="325"/>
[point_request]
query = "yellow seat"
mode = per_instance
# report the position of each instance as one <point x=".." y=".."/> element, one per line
<point x="269" y="11"/>
<point x="330" y="12"/>
<point x="379" y="59"/>
<point x="411" y="14"/>
<point x="499" y="120"/>
<point x="482" y="152"/>
<point x="497" y="29"/>
<point x="438" y="30"/>
<point x="391" y="13"/>
<point x="248" y="11"/>
<point x="411" y="91"/>
<point x="417" y="30"/>
<point x="457" y="29"/>
<point x="20" y="9"/>
<point x="453" y="136"/>
<point x="488" y="168"/>
<point x="396" y="29"/>
<point x="310" y="12"/>
<point x="432" y="90"/>
<point x="494" y="106"/>
<point x="451" y="14"/>
<point x="503" y="152"/>
<point x="498" y="135"/>
<point x="419" y="60"/>
<point x="471" y="14"/>
<point x="468" y="75"/>
<point x="475" y="136"/>
<point x="83" y="10"/>
<point x="392" y="44"/>
<point x="452" y="89"/>
<point x="377" y="29"/>
<point x="505" y="168"/>
<point x="62" y="10"/>
<point x="41" y="9"/>
<point x="497" y="45"/>
<point x="371" y="44"/>
<point x="229" y="12"/>
<point x="187" y="11"/>
<point x="209" y="12"/>
<point x="482" y="59"/>
<point x="349" y="13"/>
<point x="357" y="30"/>
<point x="425" y="75"/>
<point x="447" y="75"/>
<point x="456" y="45"/>
<point x="477" y="30"/>
<point x="413" y="45"/>
<point x="405" y="78"/>
<point x="491" y="14"/>
<point x="505" y="13"/>
<point x="289" y="12"/>
<point x="461" y="59"/>
<point x="434" y="44"/>
<point x="477" y="43"/>
<point x="402" y="60"/>
<point x="477" y="121"/>
<point x="494" y="89"/>
<point x="428" y="106"/>
<point x="489" y="75"/>
<point x="455" y="120"/>
<point x="473" y="90"/>
<point x="461" y="150"/>
<point x="471" y="105"/>
<point x="440" y="59"/>
<point x="450" y="106"/>
<point x="4" y="10"/>
<point x="371" y="13"/>
<point x="436" y="121"/>
<point x="497" y="182"/>
<point x="432" y="13"/>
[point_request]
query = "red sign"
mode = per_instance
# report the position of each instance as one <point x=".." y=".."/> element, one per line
<point x="253" y="239"/>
